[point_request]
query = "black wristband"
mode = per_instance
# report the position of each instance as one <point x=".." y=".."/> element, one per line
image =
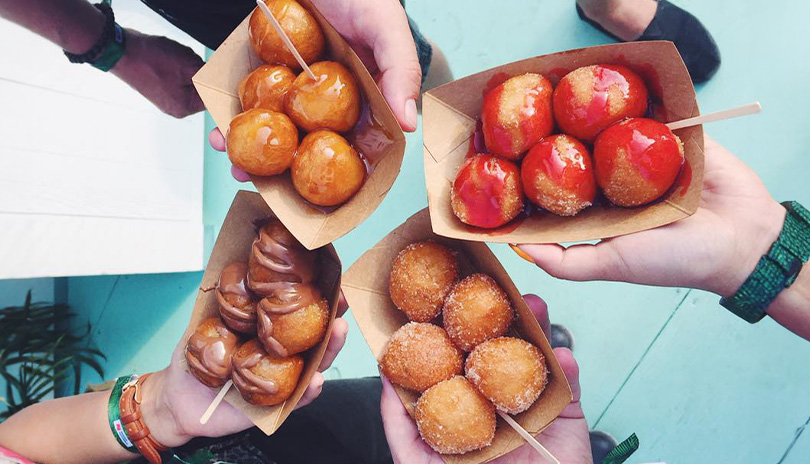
<point x="107" y="36"/>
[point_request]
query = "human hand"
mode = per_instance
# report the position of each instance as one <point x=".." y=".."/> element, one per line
<point x="378" y="31"/>
<point x="715" y="249"/>
<point x="175" y="400"/>
<point x="566" y="438"/>
<point x="160" y="69"/>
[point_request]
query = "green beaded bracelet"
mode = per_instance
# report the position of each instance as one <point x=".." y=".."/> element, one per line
<point x="776" y="270"/>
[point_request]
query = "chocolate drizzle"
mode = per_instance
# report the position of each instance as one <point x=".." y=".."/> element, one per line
<point x="289" y="298"/>
<point x="292" y="262"/>
<point x="244" y="378"/>
<point x="232" y="288"/>
<point x="210" y="357"/>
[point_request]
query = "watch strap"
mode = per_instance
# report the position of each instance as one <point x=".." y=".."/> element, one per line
<point x="776" y="270"/>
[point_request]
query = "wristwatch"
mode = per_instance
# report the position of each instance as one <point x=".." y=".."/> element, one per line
<point x="776" y="270"/>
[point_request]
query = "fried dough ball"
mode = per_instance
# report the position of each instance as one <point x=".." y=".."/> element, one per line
<point x="263" y="379"/>
<point x="332" y="102"/>
<point x="517" y="114"/>
<point x="589" y="99"/>
<point x="277" y="259"/>
<point x="208" y="352"/>
<point x="421" y="277"/>
<point x="420" y="355"/>
<point x="454" y="418"/>
<point x="476" y="310"/>
<point x="262" y="142"/>
<point x="293" y="320"/>
<point x="327" y="171"/>
<point x="237" y="306"/>
<point x="509" y="371"/>
<point x="265" y="88"/>
<point x="637" y="161"/>
<point x="558" y="175"/>
<point x="300" y="26"/>
<point x="487" y="192"/>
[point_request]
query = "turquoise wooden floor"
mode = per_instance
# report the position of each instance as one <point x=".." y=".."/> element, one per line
<point x="693" y="382"/>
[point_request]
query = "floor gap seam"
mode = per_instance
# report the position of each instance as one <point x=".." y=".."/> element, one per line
<point x="641" y="359"/>
<point x="795" y="440"/>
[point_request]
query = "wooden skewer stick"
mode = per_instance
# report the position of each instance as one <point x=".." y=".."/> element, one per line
<point x="744" y="110"/>
<point x="217" y="399"/>
<point x="285" y="38"/>
<point x="541" y="450"/>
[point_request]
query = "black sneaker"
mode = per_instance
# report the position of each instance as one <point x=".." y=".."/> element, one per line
<point x="561" y="337"/>
<point x="696" y="46"/>
<point x="602" y="443"/>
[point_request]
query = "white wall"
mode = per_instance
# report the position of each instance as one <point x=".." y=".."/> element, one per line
<point x="93" y="179"/>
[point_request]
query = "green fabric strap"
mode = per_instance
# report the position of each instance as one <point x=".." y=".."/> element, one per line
<point x="113" y="51"/>
<point x="776" y="270"/>
<point x="114" y="414"/>
<point x="622" y="451"/>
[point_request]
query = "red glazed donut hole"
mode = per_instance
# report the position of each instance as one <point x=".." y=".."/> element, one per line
<point x="558" y="175"/>
<point x="637" y="161"/>
<point x="589" y="99"/>
<point x="487" y="192"/>
<point x="517" y="114"/>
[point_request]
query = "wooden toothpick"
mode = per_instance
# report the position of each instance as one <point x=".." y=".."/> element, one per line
<point x="744" y="110"/>
<point x="217" y="399"/>
<point x="285" y="38"/>
<point x="541" y="450"/>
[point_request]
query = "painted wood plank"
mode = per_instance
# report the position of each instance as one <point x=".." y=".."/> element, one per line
<point x="715" y="389"/>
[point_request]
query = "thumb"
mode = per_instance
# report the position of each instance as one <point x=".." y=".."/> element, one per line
<point x="400" y="76"/>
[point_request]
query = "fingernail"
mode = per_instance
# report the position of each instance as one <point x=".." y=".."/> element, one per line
<point x="410" y="112"/>
<point x="521" y="253"/>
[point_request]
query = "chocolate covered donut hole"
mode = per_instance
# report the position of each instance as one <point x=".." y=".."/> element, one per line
<point x="208" y="352"/>
<point x="292" y="320"/>
<point x="262" y="378"/>
<point x="278" y="258"/>
<point x="237" y="306"/>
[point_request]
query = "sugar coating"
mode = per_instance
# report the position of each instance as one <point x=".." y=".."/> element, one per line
<point x="454" y="418"/>
<point x="420" y="355"/>
<point x="508" y="371"/>
<point x="476" y="310"/>
<point x="422" y="275"/>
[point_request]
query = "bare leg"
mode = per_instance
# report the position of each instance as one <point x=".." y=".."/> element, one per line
<point x="626" y="19"/>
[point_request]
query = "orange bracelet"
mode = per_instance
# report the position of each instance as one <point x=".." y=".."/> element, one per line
<point x="137" y="431"/>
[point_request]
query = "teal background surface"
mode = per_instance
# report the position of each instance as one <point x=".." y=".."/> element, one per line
<point x="695" y="383"/>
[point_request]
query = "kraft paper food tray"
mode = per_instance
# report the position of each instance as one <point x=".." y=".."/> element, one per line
<point x="234" y="244"/>
<point x="365" y="286"/>
<point x="451" y="111"/>
<point x="217" y="82"/>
